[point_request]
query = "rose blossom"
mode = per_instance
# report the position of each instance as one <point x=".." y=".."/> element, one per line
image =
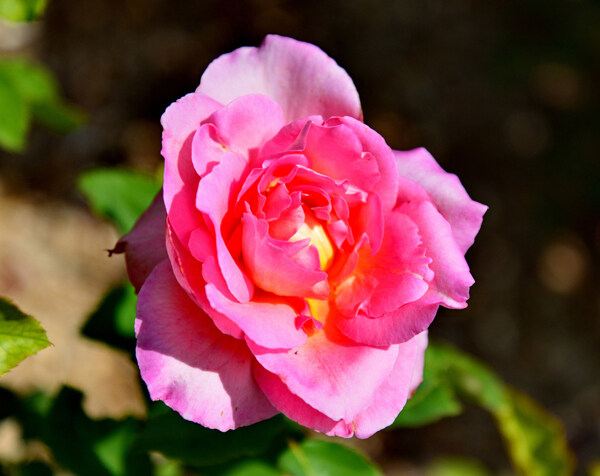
<point x="293" y="261"/>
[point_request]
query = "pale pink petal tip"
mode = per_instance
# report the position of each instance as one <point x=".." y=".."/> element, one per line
<point x="298" y="75"/>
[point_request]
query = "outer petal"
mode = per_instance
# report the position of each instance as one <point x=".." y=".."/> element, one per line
<point x="180" y="121"/>
<point x="186" y="362"/>
<point x="295" y="408"/>
<point x="448" y="194"/>
<point x="299" y="76"/>
<point x="330" y="373"/>
<point x="391" y="397"/>
<point x="388" y="400"/>
<point x="452" y="278"/>
<point x="144" y="245"/>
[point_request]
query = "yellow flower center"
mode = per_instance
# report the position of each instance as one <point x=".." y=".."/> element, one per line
<point x="312" y="229"/>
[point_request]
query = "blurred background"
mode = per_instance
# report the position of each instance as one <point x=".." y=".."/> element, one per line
<point x="504" y="94"/>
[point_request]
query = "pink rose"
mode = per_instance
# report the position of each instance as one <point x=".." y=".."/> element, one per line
<point x="293" y="261"/>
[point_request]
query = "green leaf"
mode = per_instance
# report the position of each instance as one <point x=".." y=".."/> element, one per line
<point x="27" y="91"/>
<point x="22" y="10"/>
<point x="92" y="447"/>
<point x="119" y="195"/>
<point x="179" y="439"/>
<point x="14" y="117"/>
<point x="20" y="336"/>
<point x="324" y="458"/>
<point x="252" y="468"/>
<point x="430" y="403"/>
<point x="456" y="466"/>
<point x="535" y="439"/>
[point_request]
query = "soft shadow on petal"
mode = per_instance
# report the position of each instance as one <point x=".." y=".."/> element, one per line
<point x="329" y="372"/>
<point x="186" y="362"/>
<point x="299" y="76"/>
<point x="144" y="245"/>
<point x="448" y="194"/>
<point x="381" y="411"/>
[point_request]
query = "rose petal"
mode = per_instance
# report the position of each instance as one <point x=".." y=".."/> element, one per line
<point x="395" y="276"/>
<point x="392" y="395"/>
<point x="295" y="408"/>
<point x="186" y="362"/>
<point x="283" y="268"/>
<point x="388" y="400"/>
<point x="452" y="277"/>
<point x="298" y="76"/>
<point x="336" y="152"/>
<point x="192" y="277"/>
<point x="375" y="145"/>
<point x="268" y="320"/>
<point x="329" y="372"/>
<point x="247" y="122"/>
<point x="180" y="121"/>
<point x="215" y="196"/>
<point x="394" y="327"/>
<point x="144" y="245"/>
<point x="448" y="194"/>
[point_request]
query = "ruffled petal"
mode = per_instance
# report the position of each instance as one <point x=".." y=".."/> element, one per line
<point x="452" y="278"/>
<point x="187" y="363"/>
<point x="448" y="194"/>
<point x="398" y="274"/>
<point x="298" y="76"/>
<point x="180" y="121"/>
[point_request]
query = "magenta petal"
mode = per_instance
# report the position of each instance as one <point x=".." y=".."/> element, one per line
<point x="391" y="396"/>
<point x="144" y="245"/>
<point x="299" y="76"/>
<point x="452" y="278"/>
<point x="180" y="121"/>
<point x="330" y="373"/>
<point x="186" y="362"/>
<point x="268" y="320"/>
<point x="448" y="194"/>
